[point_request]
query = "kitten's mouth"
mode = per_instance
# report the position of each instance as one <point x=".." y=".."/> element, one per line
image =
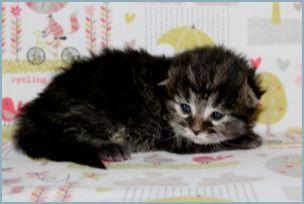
<point x="206" y="141"/>
<point x="204" y="138"/>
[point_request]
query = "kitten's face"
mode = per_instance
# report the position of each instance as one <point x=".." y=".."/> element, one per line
<point x="201" y="120"/>
<point x="212" y="96"/>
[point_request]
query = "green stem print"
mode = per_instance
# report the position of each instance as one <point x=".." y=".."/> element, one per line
<point x="16" y="31"/>
<point x="276" y="15"/>
<point x="90" y="29"/>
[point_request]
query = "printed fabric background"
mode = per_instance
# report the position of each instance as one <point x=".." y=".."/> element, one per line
<point x="40" y="37"/>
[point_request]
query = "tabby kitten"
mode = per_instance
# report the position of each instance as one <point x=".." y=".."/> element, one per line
<point x="108" y="106"/>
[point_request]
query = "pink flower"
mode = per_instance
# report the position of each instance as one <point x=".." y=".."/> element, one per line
<point x="15" y="10"/>
<point x="90" y="10"/>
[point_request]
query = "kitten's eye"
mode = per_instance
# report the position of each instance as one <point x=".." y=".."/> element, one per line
<point x="217" y="115"/>
<point x="185" y="108"/>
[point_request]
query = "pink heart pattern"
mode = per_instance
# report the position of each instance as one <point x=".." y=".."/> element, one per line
<point x="255" y="63"/>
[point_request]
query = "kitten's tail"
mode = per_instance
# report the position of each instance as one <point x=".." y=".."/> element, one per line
<point x="42" y="145"/>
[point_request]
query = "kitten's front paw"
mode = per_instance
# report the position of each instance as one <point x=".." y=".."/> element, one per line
<point x="252" y="142"/>
<point x="114" y="152"/>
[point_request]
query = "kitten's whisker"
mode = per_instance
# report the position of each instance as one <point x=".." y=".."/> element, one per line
<point x="218" y="146"/>
<point x="232" y="144"/>
<point x="221" y="145"/>
<point x="214" y="147"/>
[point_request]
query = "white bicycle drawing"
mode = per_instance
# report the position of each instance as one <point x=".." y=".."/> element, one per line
<point x="37" y="55"/>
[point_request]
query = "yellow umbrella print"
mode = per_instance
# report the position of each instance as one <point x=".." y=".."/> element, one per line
<point x="185" y="37"/>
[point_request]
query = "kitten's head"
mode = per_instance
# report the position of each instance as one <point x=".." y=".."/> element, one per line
<point x="212" y="95"/>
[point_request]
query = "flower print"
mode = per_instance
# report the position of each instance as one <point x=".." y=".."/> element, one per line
<point x="15" y="10"/>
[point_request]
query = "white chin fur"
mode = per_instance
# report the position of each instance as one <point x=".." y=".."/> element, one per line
<point x="202" y="138"/>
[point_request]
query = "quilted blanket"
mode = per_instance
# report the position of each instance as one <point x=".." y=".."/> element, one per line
<point x="270" y="173"/>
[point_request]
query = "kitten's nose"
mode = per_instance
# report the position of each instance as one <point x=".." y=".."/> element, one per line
<point x="196" y="132"/>
<point x="196" y="126"/>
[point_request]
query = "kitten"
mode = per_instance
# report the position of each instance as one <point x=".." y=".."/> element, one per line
<point x="108" y="106"/>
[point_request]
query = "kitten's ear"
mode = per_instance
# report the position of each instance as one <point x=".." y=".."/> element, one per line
<point x="254" y="82"/>
<point x="252" y="90"/>
<point x="249" y="96"/>
<point x="163" y="83"/>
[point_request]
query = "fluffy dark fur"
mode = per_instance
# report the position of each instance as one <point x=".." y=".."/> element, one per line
<point x="106" y="107"/>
